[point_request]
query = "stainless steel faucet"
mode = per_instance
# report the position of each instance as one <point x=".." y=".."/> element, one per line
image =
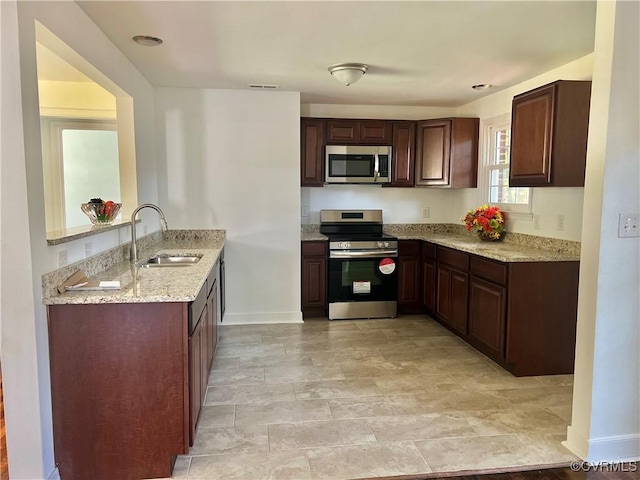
<point x="133" y="249"/>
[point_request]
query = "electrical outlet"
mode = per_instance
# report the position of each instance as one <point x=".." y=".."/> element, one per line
<point x="536" y="222"/>
<point x="560" y="223"/>
<point x="426" y="212"/>
<point x="305" y="211"/>
<point x="62" y="258"/>
<point x="88" y="249"/>
<point x="628" y="225"/>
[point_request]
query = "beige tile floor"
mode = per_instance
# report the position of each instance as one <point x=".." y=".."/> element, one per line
<point x="368" y="398"/>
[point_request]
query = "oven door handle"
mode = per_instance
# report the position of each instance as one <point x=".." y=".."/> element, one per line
<point x="363" y="253"/>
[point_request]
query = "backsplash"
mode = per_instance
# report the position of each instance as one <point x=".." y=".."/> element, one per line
<point x="407" y="229"/>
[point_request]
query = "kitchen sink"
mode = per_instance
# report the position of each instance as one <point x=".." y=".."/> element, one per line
<point x="171" y="261"/>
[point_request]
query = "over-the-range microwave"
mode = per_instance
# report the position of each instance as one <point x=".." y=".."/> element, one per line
<point x="357" y="164"/>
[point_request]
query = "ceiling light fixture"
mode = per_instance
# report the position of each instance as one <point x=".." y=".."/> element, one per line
<point x="482" y="86"/>
<point x="147" y="40"/>
<point x="348" y="73"/>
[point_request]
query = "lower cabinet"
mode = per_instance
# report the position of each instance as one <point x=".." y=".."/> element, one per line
<point x="314" y="278"/>
<point x="128" y="381"/>
<point x="452" y="288"/>
<point x="520" y="314"/>
<point x="409" y="277"/>
<point x="487" y="311"/>
<point x="202" y="345"/>
<point x="429" y="281"/>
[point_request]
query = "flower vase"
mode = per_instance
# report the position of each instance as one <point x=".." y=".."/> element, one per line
<point x="484" y="236"/>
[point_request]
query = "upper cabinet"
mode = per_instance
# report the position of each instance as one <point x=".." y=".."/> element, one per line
<point x="362" y="132"/>
<point x="404" y="154"/>
<point x="549" y="127"/>
<point x="447" y="153"/>
<point x="312" y="131"/>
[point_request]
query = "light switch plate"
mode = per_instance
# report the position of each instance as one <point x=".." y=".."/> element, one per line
<point x="305" y="211"/>
<point x="426" y="212"/>
<point x="628" y="225"/>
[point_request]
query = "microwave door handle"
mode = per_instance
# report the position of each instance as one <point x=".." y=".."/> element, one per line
<point x="376" y="168"/>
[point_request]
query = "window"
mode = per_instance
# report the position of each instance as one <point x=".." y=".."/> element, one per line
<point x="498" y="192"/>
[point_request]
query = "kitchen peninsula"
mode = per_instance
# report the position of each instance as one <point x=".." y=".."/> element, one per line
<point x="129" y="367"/>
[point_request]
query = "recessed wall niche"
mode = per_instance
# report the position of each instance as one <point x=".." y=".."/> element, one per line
<point x="87" y="135"/>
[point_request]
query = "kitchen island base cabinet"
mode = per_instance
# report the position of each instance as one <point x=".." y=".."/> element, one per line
<point x="119" y="389"/>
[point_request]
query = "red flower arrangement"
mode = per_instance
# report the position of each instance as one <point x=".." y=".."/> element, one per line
<point x="487" y="221"/>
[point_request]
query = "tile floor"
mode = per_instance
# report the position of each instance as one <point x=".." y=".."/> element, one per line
<point x="368" y="398"/>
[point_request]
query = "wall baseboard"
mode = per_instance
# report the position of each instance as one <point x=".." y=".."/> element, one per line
<point x="621" y="448"/>
<point x="54" y="474"/>
<point x="261" y="318"/>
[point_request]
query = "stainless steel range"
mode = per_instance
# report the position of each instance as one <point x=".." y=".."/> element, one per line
<point x="363" y="275"/>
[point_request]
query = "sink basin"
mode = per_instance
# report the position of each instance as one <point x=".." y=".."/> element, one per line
<point x="171" y="261"/>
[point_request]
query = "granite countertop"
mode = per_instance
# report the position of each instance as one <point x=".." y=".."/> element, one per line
<point x="515" y="247"/>
<point x="146" y="285"/>
<point x="501" y="251"/>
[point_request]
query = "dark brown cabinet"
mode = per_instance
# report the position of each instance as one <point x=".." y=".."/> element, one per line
<point x="145" y="364"/>
<point x="447" y="153"/>
<point x="409" y="277"/>
<point x="549" y="127"/>
<point x="363" y="132"/>
<point x="314" y="278"/>
<point x="312" y="141"/>
<point x="452" y="289"/>
<point x="429" y="276"/>
<point x="223" y="275"/>
<point x="488" y="306"/>
<point x="403" y="163"/>
<point x="202" y="344"/>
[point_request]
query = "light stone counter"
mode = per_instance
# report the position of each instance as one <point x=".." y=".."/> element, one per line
<point x="143" y="285"/>
<point x="515" y="247"/>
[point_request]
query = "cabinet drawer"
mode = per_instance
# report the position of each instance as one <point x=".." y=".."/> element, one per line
<point x="342" y="131"/>
<point x="375" y="132"/>
<point x="314" y="249"/>
<point x="409" y="248"/>
<point x="428" y="251"/>
<point x="489" y="270"/>
<point x="453" y="258"/>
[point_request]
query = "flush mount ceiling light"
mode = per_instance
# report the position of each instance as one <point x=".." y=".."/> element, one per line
<point x="147" y="40"/>
<point x="482" y="86"/>
<point x="348" y="73"/>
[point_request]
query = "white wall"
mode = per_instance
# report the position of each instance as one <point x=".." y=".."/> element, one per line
<point x="231" y="159"/>
<point x="605" y="422"/>
<point x="24" y="342"/>
<point x="548" y="202"/>
<point x="399" y="205"/>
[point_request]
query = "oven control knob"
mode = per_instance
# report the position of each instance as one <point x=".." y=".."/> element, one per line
<point x="386" y="244"/>
<point x="380" y="245"/>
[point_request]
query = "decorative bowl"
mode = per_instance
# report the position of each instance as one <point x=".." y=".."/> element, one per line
<point x="101" y="214"/>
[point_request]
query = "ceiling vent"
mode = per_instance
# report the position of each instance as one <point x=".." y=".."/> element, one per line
<point x="263" y="86"/>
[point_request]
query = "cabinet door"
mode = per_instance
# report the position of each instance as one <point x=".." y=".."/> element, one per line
<point x="375" y="132"/>
<point x="204" y="355"/>
<point x="458" y="319"/>
<point x="343" y="132"/>
<point x="433" y="152"/>
<point x="314" y="278"/>
<point x="429" y="284"/>
<point x="408" y="280"/>
<point x="195" y="383"/>
<point x="403" y="164"/>
<point x="443" y="298"/>
<point x="531" y="124"/>
<point x="212" y="303"/>
<point x="487" y="306"/>
<point x="222" y="289"/>
<point x="311" y="152"/>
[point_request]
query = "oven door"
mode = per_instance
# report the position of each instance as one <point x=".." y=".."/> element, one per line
<point x="363" y="276"/>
